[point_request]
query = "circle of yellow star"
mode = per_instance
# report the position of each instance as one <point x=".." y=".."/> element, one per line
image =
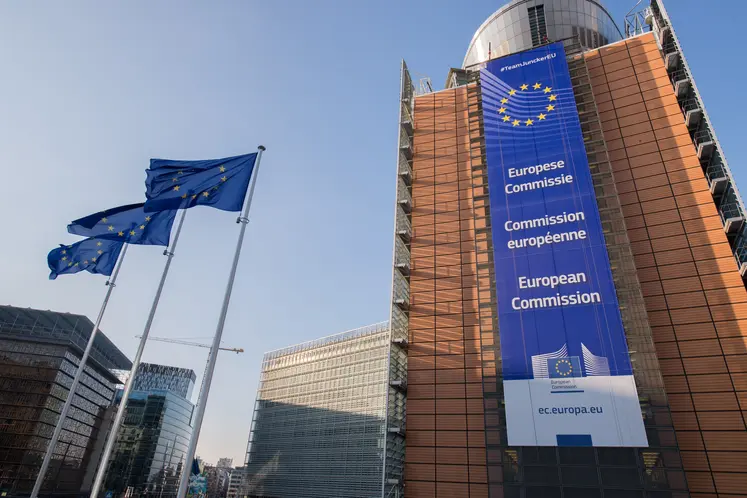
<point x="506" y="118"/>
<point x="194" y="196"/>
<point x="524" y="86"/>
<point x="63" y="252"/>
<point x="132" y="232"/>
<point x="501" y="110"/>
<point x="541" y="116"/>
<point x="147" y="218"/>
<point x="93" y="259"/>
<point x="64" y="258"/>
<point x="100" y="252"/>
<point x="104" y="220"/>
<point x="551" y="107"/>
<point x="70" y="264"/>
<point x="98" y="244"/>
<point x="553" y="97"/>
<point x="504" y="100"/>
<point x="184" y="196"/>
<point x="205" y="194"/>
<point x="85" y="262"/>
<point x="175" y="179"/>
<point x="515" y="122"/>
<point x="181" y="172"/>
<point x="547" y="89"/>
<point x="529" y="122"/>
<point x="222" y="169"/>
<point x="111" y="228"/>
<point x="121" y="234"/>
<point x="537" y="86"/>
<point x="142" y="227"/>
<point x="176" y="188"/>
<point x="512" y="92"/>
<point x="564" y="373"/>
<point x="223" y="179"/>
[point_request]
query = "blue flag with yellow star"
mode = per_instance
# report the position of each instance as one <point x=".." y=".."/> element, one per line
<point x="218" y="183"/>
<point x="127" y="224"/>
<point x="93" y="255"/>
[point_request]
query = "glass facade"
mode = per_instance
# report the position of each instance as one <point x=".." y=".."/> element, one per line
<point x="151" y="376"/>
<point x="318" y="426"/>
<point x="39" y="354"/>
<point x="148" y="456"/>
<point x="523" y="24"/>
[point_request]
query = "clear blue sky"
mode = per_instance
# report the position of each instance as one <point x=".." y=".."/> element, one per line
<point x="91" y="91"/>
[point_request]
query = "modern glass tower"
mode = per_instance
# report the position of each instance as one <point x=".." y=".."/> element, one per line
<point x="148" y="456"/>
<point x="318" y="428"/>
<point x="674" y="232"/>
<point x="39" y="354"/>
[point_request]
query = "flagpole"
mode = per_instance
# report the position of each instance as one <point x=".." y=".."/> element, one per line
<point x="112" y="438"/>
<point x="213" y="355"/>
<point x="76" y="380"/>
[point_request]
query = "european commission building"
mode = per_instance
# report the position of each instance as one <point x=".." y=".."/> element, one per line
<point x="569" y="310"/>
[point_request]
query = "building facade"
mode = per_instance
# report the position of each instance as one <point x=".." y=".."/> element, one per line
<point x="236" y="483"/>
<point x="674" y="229"/>
<point x="318" y="426"/>
<point x="39" y="354"/>
<point x="151" y="376"/>
<point x="148" y="456"/>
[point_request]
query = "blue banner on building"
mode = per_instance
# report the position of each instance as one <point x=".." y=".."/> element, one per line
<point x="566" y="364"/>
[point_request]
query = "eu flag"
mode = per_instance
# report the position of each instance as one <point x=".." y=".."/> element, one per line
<point x="564" y="367"/>
<point x="219" y="183"/>
<point x="93" y="255"/>
<point x="127" y="224"/>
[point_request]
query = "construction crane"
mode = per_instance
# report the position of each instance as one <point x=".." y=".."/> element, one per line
<point x="187" y="343"/>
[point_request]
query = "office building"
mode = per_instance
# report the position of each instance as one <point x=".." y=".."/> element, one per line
<point x="318" y="424"/>
<point x="148" y="456"/>
<point x="151" y="377"/>
<point x="39" y="354"/>
<point x="650" y="209"/>
<point x="217" y="481"/>
<point x="236" y="483"/>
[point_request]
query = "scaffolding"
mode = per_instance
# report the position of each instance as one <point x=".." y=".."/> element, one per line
<point x="396" y="397"/>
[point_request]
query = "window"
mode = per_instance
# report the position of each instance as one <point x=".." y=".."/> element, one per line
<point x="537" y="25"/>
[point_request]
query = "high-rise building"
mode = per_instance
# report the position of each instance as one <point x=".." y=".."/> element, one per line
<point x="217" y="481"/>
<point x="236" y="483"/>
<point x="151" y="377"/>
<point x="148" y="456"/>
<point x="39" y="354"/>
<point x="318" y="424"/>
<point x="568" y="270"/>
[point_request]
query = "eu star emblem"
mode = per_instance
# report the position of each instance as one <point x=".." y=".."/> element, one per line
<point x="128" y="223"/>
<point x="92" y="255"/>
<point x="564" y="368"/>
<point x="218" y="183"/>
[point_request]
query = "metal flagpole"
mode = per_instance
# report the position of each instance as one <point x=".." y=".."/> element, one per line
<point x="213" y="356"/>
<point x="112" y="438"/>
<point x="76" y="380"/>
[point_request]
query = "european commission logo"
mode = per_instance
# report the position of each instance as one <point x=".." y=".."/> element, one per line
<point x="559" y="365"/>
<point x="564" y="368"/>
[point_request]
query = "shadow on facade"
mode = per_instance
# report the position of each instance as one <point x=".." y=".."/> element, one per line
<point x="303" y="452"/>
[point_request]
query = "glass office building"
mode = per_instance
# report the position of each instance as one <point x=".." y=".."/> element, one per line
<point x="151" y="376"/>
<point x="148" y="456"/>
<point x="318" y="427"/>
<point x="675" y="235"/>
<point x="39" y="354"/>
